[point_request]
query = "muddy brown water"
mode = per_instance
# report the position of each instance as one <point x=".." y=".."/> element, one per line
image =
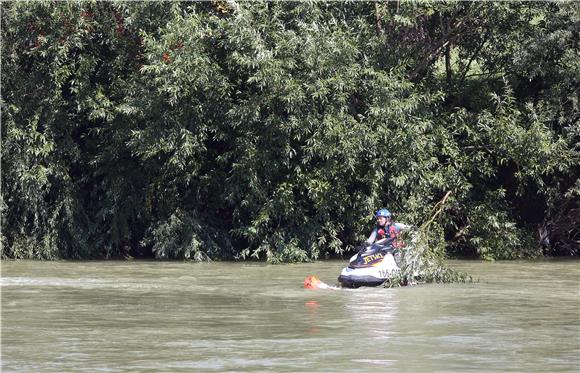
<point x="144" y="316"/>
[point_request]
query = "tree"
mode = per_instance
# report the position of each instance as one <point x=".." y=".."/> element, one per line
<point x="273" y="130"/>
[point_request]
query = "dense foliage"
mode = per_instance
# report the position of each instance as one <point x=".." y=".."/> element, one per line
<point x="273" y="130"/>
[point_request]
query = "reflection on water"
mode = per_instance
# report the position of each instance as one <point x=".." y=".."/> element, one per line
<point x="167" y="317"/>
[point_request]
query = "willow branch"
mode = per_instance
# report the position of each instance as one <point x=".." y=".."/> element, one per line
<point x="438" y="208"/>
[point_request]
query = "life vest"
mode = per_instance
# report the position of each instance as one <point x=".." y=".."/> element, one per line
<point x="387" y="231"/>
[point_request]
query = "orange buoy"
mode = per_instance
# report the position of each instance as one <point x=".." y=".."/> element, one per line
<point x="311" y="282"/>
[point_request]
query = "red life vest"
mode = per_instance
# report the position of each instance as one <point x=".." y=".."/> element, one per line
<point x="387" y="231"/>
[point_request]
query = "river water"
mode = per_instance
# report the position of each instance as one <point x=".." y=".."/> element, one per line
<point x="180" y="317"/>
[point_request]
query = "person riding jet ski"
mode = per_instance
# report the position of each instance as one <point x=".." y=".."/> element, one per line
<point x="385" y="230"/>
<point x="375" y="262"/>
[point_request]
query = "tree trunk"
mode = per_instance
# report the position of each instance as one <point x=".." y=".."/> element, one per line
<point x="378" y="19"/>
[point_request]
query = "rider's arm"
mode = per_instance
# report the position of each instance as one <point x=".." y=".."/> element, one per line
<point x="402" y="227"/>
<point x="371" y="238"/>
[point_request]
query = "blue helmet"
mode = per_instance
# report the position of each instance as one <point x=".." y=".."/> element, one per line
<point x="384" y="213"/>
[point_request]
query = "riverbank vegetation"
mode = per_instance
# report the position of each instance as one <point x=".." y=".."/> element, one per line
<point x="274" y="130"/>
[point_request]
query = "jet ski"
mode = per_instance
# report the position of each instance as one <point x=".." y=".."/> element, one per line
<point x="371" y="266"/>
